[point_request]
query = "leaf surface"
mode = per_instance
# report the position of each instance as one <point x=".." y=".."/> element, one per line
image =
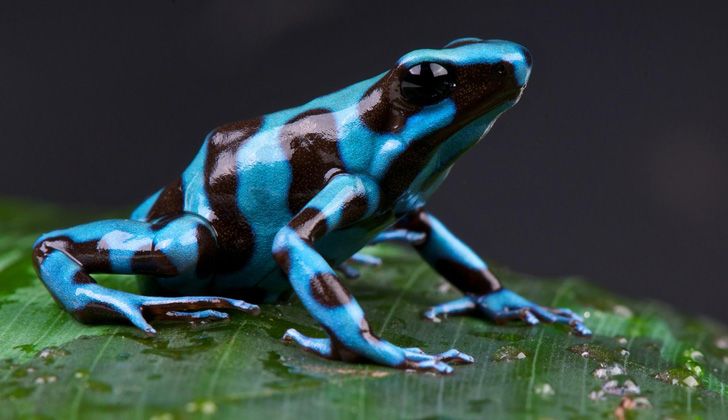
<point x="645" y="360"/>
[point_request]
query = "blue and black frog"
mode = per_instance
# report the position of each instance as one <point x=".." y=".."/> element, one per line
<point x="282" y="202"/>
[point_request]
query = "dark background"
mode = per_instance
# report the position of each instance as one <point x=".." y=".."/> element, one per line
<point x="613" y="166"/>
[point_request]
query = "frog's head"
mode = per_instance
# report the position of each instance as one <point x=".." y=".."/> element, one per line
<point x="448" y="87"/>
<point x="440" y="102"/>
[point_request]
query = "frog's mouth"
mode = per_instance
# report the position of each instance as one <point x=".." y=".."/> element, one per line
<point x="471" y="125"/>
<point x="496" y="104"/>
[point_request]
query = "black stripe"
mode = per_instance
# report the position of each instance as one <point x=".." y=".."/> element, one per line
<point x="235" y="237"/>
<point x="310" y="142"/>
<point x="170" y="201"/>
<point x="328" y="291"/>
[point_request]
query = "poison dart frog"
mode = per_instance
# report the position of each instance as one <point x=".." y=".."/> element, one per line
<point x="284" y="202"/>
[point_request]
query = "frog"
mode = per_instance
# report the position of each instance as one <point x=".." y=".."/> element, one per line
<point x="282" y="204"/>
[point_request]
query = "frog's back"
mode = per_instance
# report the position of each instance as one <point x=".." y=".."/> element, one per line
<point x="230" y="191"/>
<point x="248" y="180"/>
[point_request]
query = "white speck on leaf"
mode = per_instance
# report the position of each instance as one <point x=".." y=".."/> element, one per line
<point x="722" y="343"/>
<point x="208" y="407"/>
<point x="596" y="395"/>
<point x="46" y="379"/>
<point x="622" y="311"/>
<point x="607" y="371"/>
<point x="690" y="381"/>
<point x="204" y="407"/>
<point x="544" y="390"/>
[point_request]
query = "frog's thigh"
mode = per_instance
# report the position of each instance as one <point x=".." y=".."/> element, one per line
<point x="176" y="246"/>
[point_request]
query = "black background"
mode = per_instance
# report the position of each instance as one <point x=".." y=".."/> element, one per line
<point x="613" y="166"/>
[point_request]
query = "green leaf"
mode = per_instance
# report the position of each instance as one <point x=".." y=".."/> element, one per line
<point x="666" y="364"/>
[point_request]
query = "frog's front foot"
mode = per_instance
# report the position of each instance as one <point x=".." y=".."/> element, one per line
<point x="504" y="305"/>
<point x="382" y="352"/>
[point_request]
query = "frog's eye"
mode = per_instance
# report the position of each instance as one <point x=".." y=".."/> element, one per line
<point x="426" y="83"/>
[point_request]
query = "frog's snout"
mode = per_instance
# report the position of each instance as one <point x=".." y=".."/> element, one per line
<point x="527" y="57"/>
<point x="520" y="59"/>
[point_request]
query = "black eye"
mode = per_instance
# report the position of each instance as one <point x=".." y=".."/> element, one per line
<point x="426" y="83"/>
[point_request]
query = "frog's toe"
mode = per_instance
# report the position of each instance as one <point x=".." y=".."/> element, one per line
<point x="580" y="329"/>
<point x="160" y="306"/>
<point x="575" y="323"/>
<point x="458" y="306"/>
<point x="455" y="356"/>
<point x="419" y="360"/>
<point x="568" y="313"/>
<point x="415" y="238"/>
<point x="348" y="271"/>
<point x="206" y="315"/>
<point x="137" y="319"/>
<point x="431" y="365"/>
<point x="244" y="306"/>
<point x="524" y="314"/>
<point x="319" y="346"/>
<point x="366" y="259"/>
<point x="400" y="235"/>
<point x="561" y="316"/>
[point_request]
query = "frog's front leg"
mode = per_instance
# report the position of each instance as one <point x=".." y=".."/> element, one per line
<point x="345" y="200"/>
<point x="181" y="246"/>
<point x="483" y="292"/>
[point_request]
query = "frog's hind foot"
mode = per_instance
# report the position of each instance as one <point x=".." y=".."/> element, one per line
<point x="140" y="310"/>
<point x="181" y="247"/>
<point x="504" y="305"/>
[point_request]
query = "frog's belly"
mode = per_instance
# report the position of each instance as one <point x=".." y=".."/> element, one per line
<point x="267" y="282"/>
<point x="262" y="280"/>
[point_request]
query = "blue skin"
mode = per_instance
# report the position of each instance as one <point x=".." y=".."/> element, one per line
<point x="276" y="204"/>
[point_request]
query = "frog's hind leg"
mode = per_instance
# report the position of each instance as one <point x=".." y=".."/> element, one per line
<point x="181" y="246"/>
